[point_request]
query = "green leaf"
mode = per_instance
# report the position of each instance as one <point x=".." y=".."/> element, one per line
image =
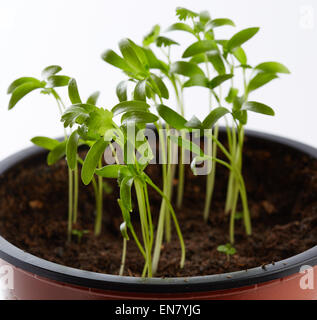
<point x="152" y="35"/>
<point x="112" y="171"/>
<point x="241" y="37"/>
<point x="187" y="69"/>
<point x="260" y="80"/>
<point x="56" y="153"/>
<point x="23" y="90"/>
<point x="71" y="150"/>
<point x="91" y="161"/>
<point x="73" y="92"/>
<point x="77" y="113"/>
<point x="194" y="123"/>
<point x="125" y="213"/>
<point x="18" y="82"/>
<point x="240" y="55"/>
<point x="55" y="81"/>
<point x="46" y="143"/>
<point x="126" y="106"/>
<point x="219" y="23"/>
<point x="140" y="91"/>
<point x="49" y="71"/>
<point x="181" y="27"/>
<point x="204" y="17"/>
<point x="171" y="117"/>
<point x="217" y="62"/>
<point x="196" y="80"/>
<point x="121" y="91"/>
<point x="184" y="14"/>
<point x="124" y="230"/>
<point x="163" y="91"/>
<point x="272" y="67"/>
<point x="187" y="145"/>
<point x="114" y="59"/>
<point x="165" y="42"/>
<point x="217" y="81"/>
<point x="258" y="108"/>
<point x="100" y="123"/>
<point x="233" y="92"/>
<point x="153" y="61"/>
<point x="214" y="116"/>
<point x="227" y="249"/>
<point x="125" y="192"/>
<point x="200" y="46"/>
<point x="138" y="117"/>
<point x="93" y="98"/>
<point x="130" y="56"/>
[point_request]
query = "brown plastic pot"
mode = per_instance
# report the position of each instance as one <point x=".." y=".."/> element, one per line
<point x="35" y="278"/>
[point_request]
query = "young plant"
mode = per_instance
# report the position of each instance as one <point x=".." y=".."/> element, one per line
<point x="57" y="150"/>
<point x="227" y="249"/>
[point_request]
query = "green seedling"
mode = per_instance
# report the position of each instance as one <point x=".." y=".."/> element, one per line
<point x="79" y="234"/>
<point x="227" y="249"/>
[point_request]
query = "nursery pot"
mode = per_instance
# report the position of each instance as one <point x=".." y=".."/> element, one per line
<point x="24" y="276"/>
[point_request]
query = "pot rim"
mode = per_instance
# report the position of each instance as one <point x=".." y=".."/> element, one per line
<point x="88" y="279"/>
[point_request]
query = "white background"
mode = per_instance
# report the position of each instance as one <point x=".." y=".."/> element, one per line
<point x="73" y="34"/>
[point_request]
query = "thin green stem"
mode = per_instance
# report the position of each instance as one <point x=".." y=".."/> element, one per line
<point x="76" y="183"/>
<point x="124" y="254"/>
<point x="99" y="199"/>
<point x="70" y="204"/>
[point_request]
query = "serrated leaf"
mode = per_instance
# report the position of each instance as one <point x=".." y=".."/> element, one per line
<point x="23" y="90"/>
<point x="56" y="153"/>
<point x="272" y="67"/>
<point x="214" y="116"/>
<point x="258" y="108"/>
<point x="132" y="105"/>
<point x="55" y="81"/>
<point x="241" y="37"/>
<point x="77" y="113"/>
<point x="138" y="117"/>
<point x="184" y="14"/>
<point x="50" y="70"/>
<point x="165" y="42"/>
<point x="73" y="92"/>
<point x="93" y="98"/>
<point x="46" y="143"/>
<point x="200" y="46"/>
<point x="171" y="117"/>
<point x="71" y="150"/>
<point x="91" y="161"/>
<point x="152" y="35"/>
<point x="260" y="80"/>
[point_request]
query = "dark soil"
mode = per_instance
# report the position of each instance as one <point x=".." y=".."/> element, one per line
<point x="282" y="189"/>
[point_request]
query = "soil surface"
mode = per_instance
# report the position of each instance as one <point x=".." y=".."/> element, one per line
<point x="282" y="189"/>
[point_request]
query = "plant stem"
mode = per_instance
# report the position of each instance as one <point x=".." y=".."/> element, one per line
<point x="139" y="188"/>
<point x="98" y="221"/>
<point x="75" y="194"/>
<point x="124" y="254"/>
<point x="70" y="204"/>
